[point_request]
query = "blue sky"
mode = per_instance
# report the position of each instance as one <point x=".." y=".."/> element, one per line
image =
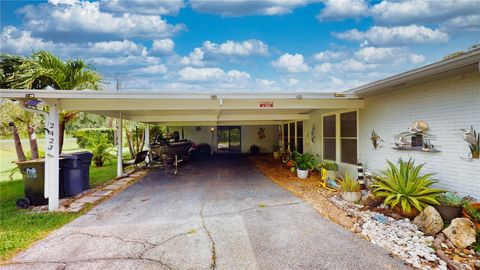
<point x="243" y="45"/>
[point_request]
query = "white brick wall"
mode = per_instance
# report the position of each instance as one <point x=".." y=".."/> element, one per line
<point x="447" y="105"/>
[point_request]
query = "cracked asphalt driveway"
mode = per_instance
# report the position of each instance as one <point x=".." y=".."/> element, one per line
<point x="216" y="214"/>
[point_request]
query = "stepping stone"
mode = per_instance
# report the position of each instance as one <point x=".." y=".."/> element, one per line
<point x="88" y="199"/>
<point x="101" y="193"/>
<point x="74" y="207"/>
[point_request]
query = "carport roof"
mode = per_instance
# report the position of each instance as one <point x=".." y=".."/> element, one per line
<point x="195" y="108"/>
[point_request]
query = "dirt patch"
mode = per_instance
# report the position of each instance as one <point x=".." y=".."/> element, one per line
<point x="309" y="189"/>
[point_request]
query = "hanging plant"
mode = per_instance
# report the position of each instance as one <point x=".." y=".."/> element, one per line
<point x="472" y="137"/>
<point x="375" y="139"/>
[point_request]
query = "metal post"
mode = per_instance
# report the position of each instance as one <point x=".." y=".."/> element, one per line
<point x="52" y="157"/>
<point x="119" y="146"/>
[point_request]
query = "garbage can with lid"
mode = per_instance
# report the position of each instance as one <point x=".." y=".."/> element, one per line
<point x="71" y="175"/>
<point x="33" y="172"/>
<point x="85" y="159"/>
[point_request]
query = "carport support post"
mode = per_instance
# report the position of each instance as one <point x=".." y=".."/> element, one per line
<point x="52" y="156"/>
<point x="119" y="146"/>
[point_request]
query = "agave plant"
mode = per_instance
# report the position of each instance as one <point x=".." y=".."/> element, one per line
<point x="349" y="184"/>
<point x="403" y="186"/>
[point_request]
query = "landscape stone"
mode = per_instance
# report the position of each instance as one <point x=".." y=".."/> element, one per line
<point x="429" y="221"/>
<point x="461" y="232"/>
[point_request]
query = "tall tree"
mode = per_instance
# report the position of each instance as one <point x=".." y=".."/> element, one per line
<point x="43" y="69"/>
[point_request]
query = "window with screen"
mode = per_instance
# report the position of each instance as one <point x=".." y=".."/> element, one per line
<point x="329" y="137"/>
<point x="348" y="137"/>
<point x="285" y="137"/>
<point x="300" y="136"/>
<point x="292" y="136"/>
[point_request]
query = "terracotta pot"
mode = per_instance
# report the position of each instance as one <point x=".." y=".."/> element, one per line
<point x="412" y="214"/>
<point x="465" y="214"/>
<point x="276" y="155"/>
<point x="449" y="212"/>
<point x="352" y="196"/>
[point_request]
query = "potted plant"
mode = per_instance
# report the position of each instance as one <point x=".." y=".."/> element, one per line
<point x="276" y="150"/>
<point x="404" y="189"/>
<point x="472" y="212"/>
<point x="302" y="163"/>
<point x="451" y="205"/>
<point x="330" y="167"/>
<point x="350" y="189"/>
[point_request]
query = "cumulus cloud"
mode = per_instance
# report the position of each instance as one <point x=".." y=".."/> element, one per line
<point x="163" y="46"/>
<point x="416" y="11"/>
<point x="342" y="9"/>
<point x="195" y="58"/>
<point x="265" y="82"/>
<point x="329" y="56"/>
<point x="151" y="7"/>
<point x="399" y="35"/>
<point x="243" y="48"/>
<point x="292" y="63"/>
<point x="388" y="54"/>
<point x="211" y="74"/>
<point x="154" y="69"/>
<point x="324" y="68"/>
<point x="470" y="23"/>
<point x="354" y="65"/>
<point x="85" y="19"/>
<point x="247" y="7"/>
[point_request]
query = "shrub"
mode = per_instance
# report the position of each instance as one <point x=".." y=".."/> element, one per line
<point x="405" y="187"/>
<point x="327" y="165"/>
<point x="349" y="184"/>
<point x="100" y="147"/>
<point x="83" y="135"/>
<point x="275" y="147"/>
<point x="302" y="161"/>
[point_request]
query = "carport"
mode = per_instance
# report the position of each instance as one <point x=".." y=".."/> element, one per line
<point x="171" y="109"/>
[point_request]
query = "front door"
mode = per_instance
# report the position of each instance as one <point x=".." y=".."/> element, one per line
<point x="229" y="139"/>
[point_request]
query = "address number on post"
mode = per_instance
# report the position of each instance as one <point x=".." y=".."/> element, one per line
<point x="266" y="104"/>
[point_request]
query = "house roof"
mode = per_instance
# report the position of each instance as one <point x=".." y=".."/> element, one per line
<point x="467" y="62"/>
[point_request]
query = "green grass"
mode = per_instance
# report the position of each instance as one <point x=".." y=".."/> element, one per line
<point x="19" y="228"/>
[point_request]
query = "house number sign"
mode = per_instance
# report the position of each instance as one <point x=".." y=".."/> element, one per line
<point x="266" y="104"/>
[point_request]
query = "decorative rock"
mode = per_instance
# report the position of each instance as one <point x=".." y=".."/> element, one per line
<point x="429" y="221"/>
<point x="461" y="232"/>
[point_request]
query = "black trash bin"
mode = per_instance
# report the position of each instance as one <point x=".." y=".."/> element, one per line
<point x="76" y="172"/>
<point x="33" y="172"/>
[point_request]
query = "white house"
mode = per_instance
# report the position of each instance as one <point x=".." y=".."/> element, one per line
<point x="335" y="126"/>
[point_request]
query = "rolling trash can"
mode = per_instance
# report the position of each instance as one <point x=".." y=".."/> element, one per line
<point x="75" y="172"/>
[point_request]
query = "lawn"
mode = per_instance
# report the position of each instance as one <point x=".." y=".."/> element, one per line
<point x="19" y="228"/>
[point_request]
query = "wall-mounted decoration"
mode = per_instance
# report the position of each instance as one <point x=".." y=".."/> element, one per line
<point x="261" y="133"/>
<point x="312" y="133"/>
<point x="198" y="128"/>
<point x="416" y="138"/>
<point x="375" y="139"/>
<point x="472" y="137"/>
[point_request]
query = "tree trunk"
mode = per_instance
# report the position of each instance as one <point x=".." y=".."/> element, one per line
<point x="33" y="142"/>
<point x="129" y="142"/>
<point x="18" y="143"/>
<point x="142" y="141"/>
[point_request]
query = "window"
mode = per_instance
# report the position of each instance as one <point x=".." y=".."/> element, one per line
<point x="292" y="136"/>
<point x="285" y="137"/>
<point x="348" y="137"/>
<point x="329" y="137"/>
<point x="300" y="136"/>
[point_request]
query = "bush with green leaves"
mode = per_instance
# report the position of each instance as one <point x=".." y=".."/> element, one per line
<point x="302" y="161"/>
<point x="84" y="135"/>
<point x="404" y="186"/>
<point x="349" y="184"/>
<point x="275" y="147"/>
<point x="100" y="146"/>
<point x="328" y="165"/>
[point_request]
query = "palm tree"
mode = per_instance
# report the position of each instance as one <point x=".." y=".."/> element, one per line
<point x="43" y="69"/>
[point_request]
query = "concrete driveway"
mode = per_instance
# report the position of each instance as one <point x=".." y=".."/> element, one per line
<point x="220" y="214"/>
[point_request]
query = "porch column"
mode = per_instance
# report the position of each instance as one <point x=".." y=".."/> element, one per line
<point x="52" y="156"/>
<point x="119" y="146"/>
<point x="147" y="136"/>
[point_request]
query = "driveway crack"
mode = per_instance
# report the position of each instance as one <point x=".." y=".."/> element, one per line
<point x="253" y="208"/>
<point x="213" y="250"/>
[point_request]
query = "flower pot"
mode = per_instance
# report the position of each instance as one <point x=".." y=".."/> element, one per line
<point x="413" y="212"/>
<point x="276" y="155"/>
<point x="476" y="154"/>
<point x="465" y="214"/>
<point x="331" y="174"/>
<point x="302" y="174"/>
<point x="352" y="196"/>
<point x="449" y="212"/>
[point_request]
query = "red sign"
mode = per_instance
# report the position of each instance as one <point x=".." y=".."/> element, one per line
<point x="266" y="104"/>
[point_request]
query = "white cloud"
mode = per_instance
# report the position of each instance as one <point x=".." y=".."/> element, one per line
<point x="248" y="7"/>
<point x="329" y="56"/>
<point x="163" y="46"/>
<point x="151" y="7"/>
<point x="419" y="11"/>
<point x="211" y="74"/>
<point x="324" y="68"/>
<point x="335" y="81"/>
<point x="378" y="35"/>
<point x="469" y="23"/>
<point x="265" y="82"/>
<point x="354" y="65"/>
<point x="86" y="17"/>
<point x="292" y="63"/>
<point x="155" y="69"/>
<point x="342" y="9"/>
<point x="388" y="54"/>
<point x="244" y="48"/>
<point x="195" y="58"/>
<point x="291" y="81"/>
